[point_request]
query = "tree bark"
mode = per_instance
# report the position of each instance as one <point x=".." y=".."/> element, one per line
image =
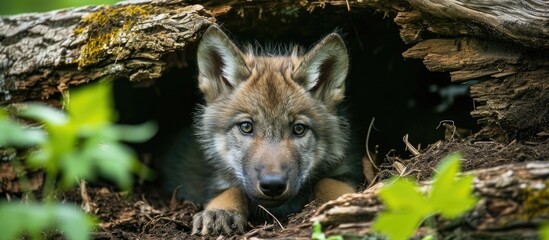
<point x="510" y="84"/>
<point x="44" y="53"/>
<point x="501" y="48"/>
<point x="513" y="202"/>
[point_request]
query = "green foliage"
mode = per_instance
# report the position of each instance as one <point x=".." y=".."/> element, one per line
<point x="15" y="135"/>
<point x="451" y="196"/>
<point x="34" y="219"/>
<point x="406" y="207"/>
<point x="544" y="232"/>
<point x="83" y="141"/>
<point x="319" y="235"/>
<point x="78" y="144"/>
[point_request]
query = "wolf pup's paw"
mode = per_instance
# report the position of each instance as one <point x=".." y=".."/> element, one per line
<point x="218" y="221"/>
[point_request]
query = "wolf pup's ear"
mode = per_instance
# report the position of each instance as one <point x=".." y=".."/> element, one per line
<point x="323" y="70"/>
<point x="221" y="65"/>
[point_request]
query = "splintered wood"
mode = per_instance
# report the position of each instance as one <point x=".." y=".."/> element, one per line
<point x="42" y="54"/>
<point x="512" y="197"/>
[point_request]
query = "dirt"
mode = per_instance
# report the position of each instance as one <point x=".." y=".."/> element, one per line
<point x="145" y="214"/>
<point x="475" y="154"/>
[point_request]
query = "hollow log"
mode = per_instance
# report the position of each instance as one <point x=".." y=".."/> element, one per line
<point x="44" y="53"/>
<point x="500" y="48"/>
<point x="513" y="203"/>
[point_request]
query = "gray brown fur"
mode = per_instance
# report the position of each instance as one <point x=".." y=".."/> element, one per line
<point x="276" y="165"/>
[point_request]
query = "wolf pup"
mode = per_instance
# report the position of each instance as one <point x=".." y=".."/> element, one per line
<point x="270" y="133"/>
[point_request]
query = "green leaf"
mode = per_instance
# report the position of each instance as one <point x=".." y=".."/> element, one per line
<point x="405" y="206"/>
<point x="62" y="140"/>
<point x="319" y="235"/>
<point x="114" y="161"/>
<point x="76" y="166"/>
<point x="91" y="107"/>
<point x="16" y="219"/>
<point x="317" y="232"/>
<point x="397" y="225"/>
<point x="138" y="133"/>
<point x="429" y="237"/>
<point x="544" y="232"/>
<point x="14" y="134"/>
<point x="43" y="113"/>
<point x="73" y="222"/>
<point x="392" y="196"/>
<point x="451" y="195"/>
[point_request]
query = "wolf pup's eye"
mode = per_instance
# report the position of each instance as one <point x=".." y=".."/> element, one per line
<point x="246" y="127"/>
<point x="299" y="129"/>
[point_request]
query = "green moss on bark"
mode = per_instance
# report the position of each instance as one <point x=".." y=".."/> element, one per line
<point x="104" y="27"/>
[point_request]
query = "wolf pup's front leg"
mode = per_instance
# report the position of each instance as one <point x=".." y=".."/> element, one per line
<point x="221" y="69"/>
<point x="329" y="189"/>
<point x="226" y="213"/>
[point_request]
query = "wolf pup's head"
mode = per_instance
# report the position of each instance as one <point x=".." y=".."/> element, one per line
<point x="270" y="120"/>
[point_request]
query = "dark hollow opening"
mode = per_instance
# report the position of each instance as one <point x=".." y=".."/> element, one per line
<point x="402" y="95"/>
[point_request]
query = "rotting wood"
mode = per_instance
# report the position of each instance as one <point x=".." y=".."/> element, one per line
<point x="491" y="45"/>
<point x="510" y="84"/>
<point x="488" y="46"/>
<point x="500" y="48"/>
<point x="512" y="197"/>
<point x="524" y="22"/>
<point x="44" y="53"/>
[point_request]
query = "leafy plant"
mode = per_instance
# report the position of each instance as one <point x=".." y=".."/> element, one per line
<point x="544" y="232"/>
<point x="83" y="141"/>
<point x="15" y="135"/>
<point x="34" y="218"/>
<point x="319" y="235"/>
<point x="406" y="207"/>
<point x="77" y="144"/>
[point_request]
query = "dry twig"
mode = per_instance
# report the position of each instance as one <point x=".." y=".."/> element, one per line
<point x="267" y="211"/>
<point x="410" y="147"/>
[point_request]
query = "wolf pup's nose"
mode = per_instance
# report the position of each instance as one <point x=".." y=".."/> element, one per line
<point x="272" y="185"/>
